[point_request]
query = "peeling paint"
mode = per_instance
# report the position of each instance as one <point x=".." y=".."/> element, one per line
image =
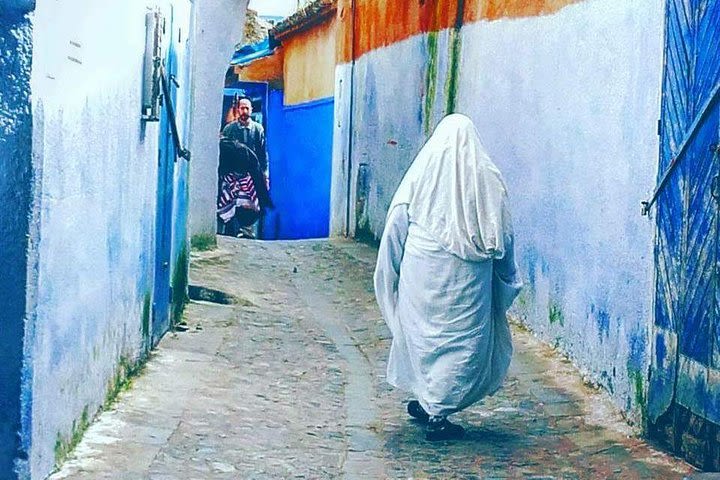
<point x="684" y="372"/>
<point x="660" y="350"/>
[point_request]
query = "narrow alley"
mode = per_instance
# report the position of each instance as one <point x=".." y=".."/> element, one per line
<point x="142" y="339"/>
<point x="280" y="375"/>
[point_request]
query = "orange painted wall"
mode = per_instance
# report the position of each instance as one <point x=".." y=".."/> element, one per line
<point x="267" y="69"/>
<point x="476" y="10"/>
<point x="305" y="64"/>
<point x="379" y="23"/>
<point x="309" y="67"/>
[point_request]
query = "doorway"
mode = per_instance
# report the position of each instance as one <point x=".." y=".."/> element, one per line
<point x="299" y="146"/>
<point x="684" y="387"/>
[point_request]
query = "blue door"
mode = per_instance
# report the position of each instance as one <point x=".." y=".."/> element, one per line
<point x="163" y="228"/>
<point x="685" y="374"/>
<point x="300" y="141"/>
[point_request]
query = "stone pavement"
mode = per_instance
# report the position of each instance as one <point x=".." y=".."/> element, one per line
<point x="287" y="382"/>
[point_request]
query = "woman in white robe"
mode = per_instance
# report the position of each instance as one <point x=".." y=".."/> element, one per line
<point x="446" y="276"/>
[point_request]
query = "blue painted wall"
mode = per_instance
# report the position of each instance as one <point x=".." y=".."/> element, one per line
<point x="15" y="188"/>
<point x="300" y="141"/>
<point x="273" y="132"/>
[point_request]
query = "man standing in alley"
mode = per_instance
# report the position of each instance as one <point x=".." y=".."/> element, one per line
<point x="251" y="136"/>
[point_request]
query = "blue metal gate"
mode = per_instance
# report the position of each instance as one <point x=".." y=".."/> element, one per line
<point x="163" y="228"/>
<point x="685" y="372"/>
<point x="301" y="170"/>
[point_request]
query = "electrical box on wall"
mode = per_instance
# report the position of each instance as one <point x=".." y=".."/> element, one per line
<point x="154" y="27"/>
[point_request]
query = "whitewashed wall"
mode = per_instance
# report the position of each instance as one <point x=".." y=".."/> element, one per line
<point x="218" y="27"/>
<point x="567" y="105"/>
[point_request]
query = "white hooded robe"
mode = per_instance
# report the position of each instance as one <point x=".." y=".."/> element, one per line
<point x="446" y="273"/>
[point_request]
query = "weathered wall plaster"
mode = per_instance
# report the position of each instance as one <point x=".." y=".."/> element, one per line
<point x="95" y="203"/>
<point x="567" y="105"/>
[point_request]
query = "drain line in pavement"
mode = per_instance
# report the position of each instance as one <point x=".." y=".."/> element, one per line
<point x="360" y="462"/>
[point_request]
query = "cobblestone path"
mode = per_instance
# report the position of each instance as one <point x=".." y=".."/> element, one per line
<point x="287" y="382"/>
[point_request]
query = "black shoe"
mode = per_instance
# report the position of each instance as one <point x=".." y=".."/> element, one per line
<point x="439" y="428"/>
<point x="246" y="232"/>
<point x="415" y="410"/>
